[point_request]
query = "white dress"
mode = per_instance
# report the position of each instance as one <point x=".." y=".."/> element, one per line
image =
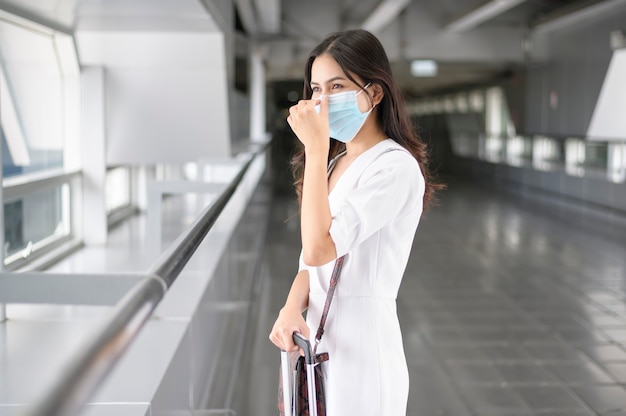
<point x="375" y="206"/>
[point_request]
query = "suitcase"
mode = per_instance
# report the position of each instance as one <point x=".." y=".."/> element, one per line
<point x="288" y="370"/>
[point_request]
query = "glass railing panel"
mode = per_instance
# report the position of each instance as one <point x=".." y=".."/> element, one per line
<point x="494" y="149"/>
<point x="466" y="144"/>
<point x="519" y="151"/>
<point x="616" y="162"/>
<point x="36" y="220"/>
<point x="575" y="156"/>
<point x="548" y="153"/>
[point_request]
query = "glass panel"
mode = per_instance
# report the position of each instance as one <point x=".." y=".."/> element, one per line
<point x="493" y="148"/>
<point x="617" y="162"/>
<point x="494" y="114"/>
<point x="596" y="155"/>
<point x="31" y="100"/>
<point x="519" y="151"/>
<point x="35" y="220"/>
<point x="498" y="121"/>
<point x="477" y="101"/>
<point x="461" y="103"/>
<point x="548" y="153"/>
<point x="574" y="156"/>
<point x="466" y="144"/>
<point x="449" y="104"/>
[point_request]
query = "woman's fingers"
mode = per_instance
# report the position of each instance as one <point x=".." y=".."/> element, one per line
<point x="306" y="123"/>
<point x="283" y="339"/>
<point x="284" y="327"/>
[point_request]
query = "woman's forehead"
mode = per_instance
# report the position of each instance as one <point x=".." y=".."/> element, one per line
<point x="326" y="69"/>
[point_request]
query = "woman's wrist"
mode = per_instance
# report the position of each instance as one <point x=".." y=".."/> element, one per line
<point x="289" y="310"/>
<point x="318" y="150"/>
<point x="316" y="161"/>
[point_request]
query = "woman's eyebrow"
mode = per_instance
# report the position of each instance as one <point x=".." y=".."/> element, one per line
<point x="330" y="80"/>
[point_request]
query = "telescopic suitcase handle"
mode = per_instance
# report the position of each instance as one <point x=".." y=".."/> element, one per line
<point x="309" y="359"/>
<point x="305" y="344"/>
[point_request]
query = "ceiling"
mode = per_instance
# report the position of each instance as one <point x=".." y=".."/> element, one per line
<point x="472" y="41"/>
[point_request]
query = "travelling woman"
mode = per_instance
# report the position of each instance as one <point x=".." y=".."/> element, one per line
<point x="361" y="195"/>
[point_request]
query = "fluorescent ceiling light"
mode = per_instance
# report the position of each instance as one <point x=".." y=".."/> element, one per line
<point x="481" y="14"/>
<point x="423" y="68"/>
<point x="386" y="11"/>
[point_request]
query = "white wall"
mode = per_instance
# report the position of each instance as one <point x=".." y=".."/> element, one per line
<point x="608" y="121"/>
<point x="166" y="93"/>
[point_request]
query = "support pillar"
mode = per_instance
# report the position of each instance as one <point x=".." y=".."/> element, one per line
<point x="3" y="315"/>
<point x="95" y="225"/>
<point x="257" y="95"/>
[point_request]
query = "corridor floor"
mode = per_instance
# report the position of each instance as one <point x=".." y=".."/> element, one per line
<point x="510" y="305"/>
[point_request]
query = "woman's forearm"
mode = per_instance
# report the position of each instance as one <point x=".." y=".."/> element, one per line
<point x="298" y="298"/>
<point x="290" y="318"/>
<point x="317" y="245"/>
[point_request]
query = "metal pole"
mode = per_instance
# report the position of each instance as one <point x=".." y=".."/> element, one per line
<point x="89" y="369"/>
<point x="102" y="351"/>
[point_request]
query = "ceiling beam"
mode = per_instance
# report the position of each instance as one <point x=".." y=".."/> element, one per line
<point x="574" y="14"/>
<point x="247" y="15"/>
<point x="384" y="14"/>
<point x="480" y="15"/>
<point x="33" y="15"/>
<point x="268" y="12"/>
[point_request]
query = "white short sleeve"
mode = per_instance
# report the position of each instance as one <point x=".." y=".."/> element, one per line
<point x="301" y="264"/>
<point x="390" y="187"/>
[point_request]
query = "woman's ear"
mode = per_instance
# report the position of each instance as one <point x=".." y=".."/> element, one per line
<point x="377" y="93"/>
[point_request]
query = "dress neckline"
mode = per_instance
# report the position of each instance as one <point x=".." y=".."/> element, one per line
<point x="333" y="162"/>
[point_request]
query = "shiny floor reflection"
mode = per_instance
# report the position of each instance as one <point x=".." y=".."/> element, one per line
<point x="511" y="305"/>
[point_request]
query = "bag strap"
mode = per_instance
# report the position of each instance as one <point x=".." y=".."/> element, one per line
<point x="334" y="278"/>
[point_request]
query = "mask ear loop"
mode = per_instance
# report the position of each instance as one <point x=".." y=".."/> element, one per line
<point x="368" y="96"/>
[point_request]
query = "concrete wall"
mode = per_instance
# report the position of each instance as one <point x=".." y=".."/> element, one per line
<point x="563" y="88"/>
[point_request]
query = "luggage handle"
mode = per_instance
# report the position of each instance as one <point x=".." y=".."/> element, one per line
<point x="305" y="344"/>
<point x="309" y="359"/>
<point x="289" y="393"/>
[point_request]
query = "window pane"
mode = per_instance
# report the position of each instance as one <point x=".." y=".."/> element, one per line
<point x="31" y="100"/>
<point x="34" y="220"/>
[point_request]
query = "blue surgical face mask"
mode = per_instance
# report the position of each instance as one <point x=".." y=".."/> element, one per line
<point x="344" y="117"/>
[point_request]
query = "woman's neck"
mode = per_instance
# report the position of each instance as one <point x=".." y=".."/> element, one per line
<point x="370" y="135"/>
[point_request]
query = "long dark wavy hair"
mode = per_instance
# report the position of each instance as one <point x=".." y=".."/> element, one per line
<point x="360" y="53"/>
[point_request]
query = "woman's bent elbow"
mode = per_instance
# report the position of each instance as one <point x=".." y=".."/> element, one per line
<point x="318" y="257"/>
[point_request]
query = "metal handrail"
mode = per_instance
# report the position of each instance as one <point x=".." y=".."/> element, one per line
<point x="89" y="370"/>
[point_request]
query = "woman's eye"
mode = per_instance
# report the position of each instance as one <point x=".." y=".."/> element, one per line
<point x="315" y="89"/>
<point x="336" y="86"/>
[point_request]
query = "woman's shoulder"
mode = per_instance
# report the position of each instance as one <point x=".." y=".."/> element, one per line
<point x="393" y="154"/>
<point x="396" y="170"/>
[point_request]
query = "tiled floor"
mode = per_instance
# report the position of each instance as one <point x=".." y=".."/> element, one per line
<point x="510" y="305"/>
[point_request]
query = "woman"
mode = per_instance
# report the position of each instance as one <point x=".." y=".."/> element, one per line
<point x="361" y="195"/>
